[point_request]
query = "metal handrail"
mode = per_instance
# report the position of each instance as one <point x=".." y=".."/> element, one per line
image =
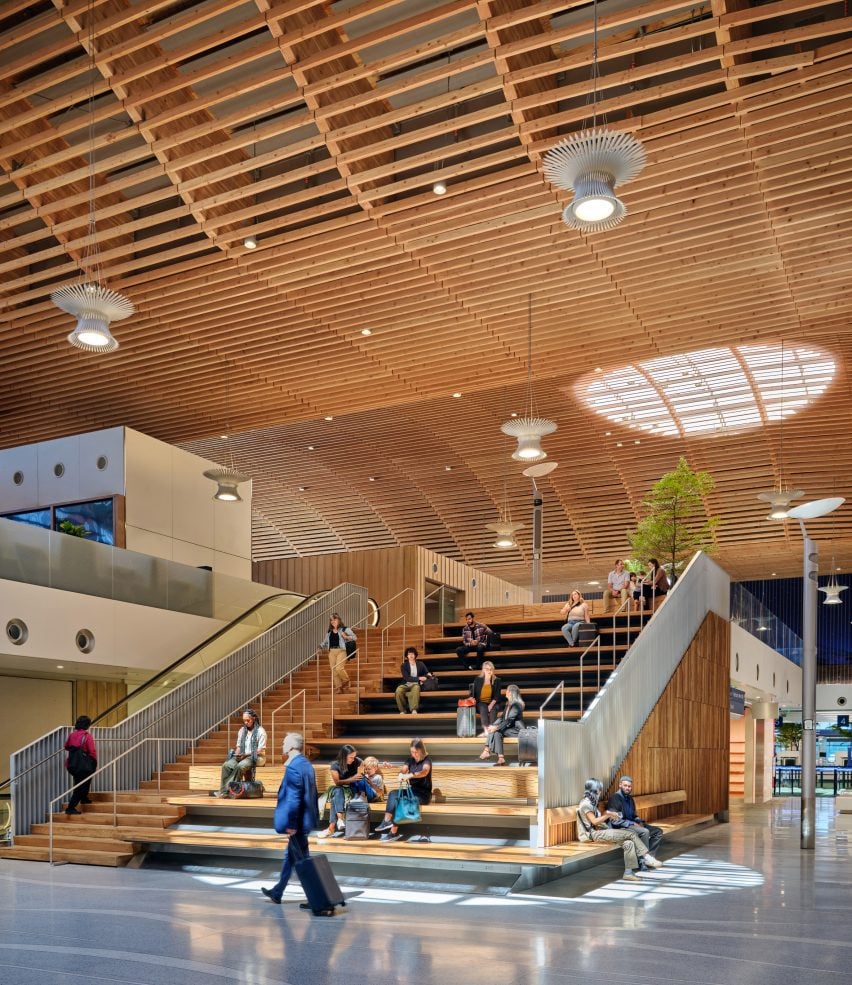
<point x="595" y="642"/>
<point x="292" y="698"/>
<point x="111" y="766"/>
<point x="389" y="625"/>
<point x="211" y="687"/>
<point x="559" y="687"/>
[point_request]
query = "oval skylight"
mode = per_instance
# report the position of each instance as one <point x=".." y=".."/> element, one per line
<point x="710" y="391"/>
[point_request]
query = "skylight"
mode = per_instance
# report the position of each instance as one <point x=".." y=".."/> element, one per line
<point x="710" y="391"/>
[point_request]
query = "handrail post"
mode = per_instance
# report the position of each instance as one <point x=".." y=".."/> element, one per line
<point x="114" y="796"/>
<point x="304" y="716"/>
<point x="598" y="641"/>
<point x="50" y="848"/>
<point x="582" y="693"/>
<point x="562" y="704"/>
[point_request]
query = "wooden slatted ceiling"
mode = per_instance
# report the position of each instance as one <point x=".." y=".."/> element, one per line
<point x="321" y="127"/>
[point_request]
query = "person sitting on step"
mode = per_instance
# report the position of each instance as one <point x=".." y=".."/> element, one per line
<point x="592" y="825"/>
<point x="474" y="637"/>
<point x="371" y="785"/>
<point x="417" y="771"/>
<point x="510" y="723"/>
<point x="250" y="751"/>
<point x="577" y="611"/>
<point x="622" y="803"/>
<point x="617" y="586"/>
<point x="487" y="692"/>
<point x="345" y="771"/>
<point x="414" y="673"/>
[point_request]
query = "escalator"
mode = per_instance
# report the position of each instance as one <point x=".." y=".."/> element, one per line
<point x="256" y="620"/>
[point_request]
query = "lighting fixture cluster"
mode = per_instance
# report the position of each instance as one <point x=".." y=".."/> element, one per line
<point x="227" y="480"/>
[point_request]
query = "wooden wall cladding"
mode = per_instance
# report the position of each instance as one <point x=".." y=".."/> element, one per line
<point x="386" y="573"/>
<point x="684" y="743"/>
<point x="93" y="697"/>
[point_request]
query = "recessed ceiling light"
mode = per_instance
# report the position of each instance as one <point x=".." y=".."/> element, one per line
<point x="371" y="478"/>
<point x="513" y="414"/>
<point x="837" y="569"/>
<point x="328" y="418"/>
<point x="618" y="444"/>
<point x="250" y="242"/>
<point x="457" y="395"/>
<point x="773" y="574"/>
<point x="594" y="583"/>
<point x="598" y="369"/>
<point x="637" y="442"/>
<point x="439" y="187"/>
<point x="448" y="468"/>
<point x="224" y="437"/>
<point x="302" y="488"/>
<point x="311" y="448"/>
<point x="366" y="331"/>
<point x="60" y="666"/>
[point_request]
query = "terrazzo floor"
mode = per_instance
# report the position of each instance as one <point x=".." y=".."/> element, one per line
<point x="737" y="903"/>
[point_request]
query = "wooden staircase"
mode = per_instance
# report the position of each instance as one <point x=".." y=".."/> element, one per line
<point x="104" y="835"/>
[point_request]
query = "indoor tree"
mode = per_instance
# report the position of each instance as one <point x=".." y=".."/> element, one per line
<point x="675" y="524"/>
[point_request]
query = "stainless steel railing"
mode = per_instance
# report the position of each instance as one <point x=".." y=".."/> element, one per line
<point x="193" y="708"/>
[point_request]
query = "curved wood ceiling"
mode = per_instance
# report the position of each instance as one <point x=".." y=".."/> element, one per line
<point x="320" y="128"/>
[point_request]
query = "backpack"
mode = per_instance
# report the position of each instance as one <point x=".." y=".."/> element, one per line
<point x="79" y="761"/>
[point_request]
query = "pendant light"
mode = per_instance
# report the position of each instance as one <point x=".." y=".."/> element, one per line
<point x="505" y="529"/>
<point x="591" y="163"/>
<point x="227" y="478"/>
<point x="781" y="498"/>
<point x="529" y="429"/>
<point x="88" y="300"/>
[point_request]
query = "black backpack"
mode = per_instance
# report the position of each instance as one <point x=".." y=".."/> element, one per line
<point x="79" y="761"/>
<point x="494" y="641"/>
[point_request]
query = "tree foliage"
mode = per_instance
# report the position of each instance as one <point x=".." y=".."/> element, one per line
<point x="675" y="524"/>
<point x="789" y="735"/>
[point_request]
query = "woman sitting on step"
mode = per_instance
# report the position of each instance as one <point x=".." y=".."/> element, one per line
<point x="486" y="690"/>
<point x="511" y="723"/>
<point x="417" y="771"/>
<point x="345" y="771"/>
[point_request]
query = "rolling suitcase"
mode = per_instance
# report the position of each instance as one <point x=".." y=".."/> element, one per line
<point x="466" y="721"/>
<point x="528" y="746"/>
<point x="587" y="633"/>
<point x="357" y="820"/>
<point x="319" y="884"/>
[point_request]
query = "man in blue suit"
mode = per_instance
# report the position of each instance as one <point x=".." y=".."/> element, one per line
<point x="296" y="813"/>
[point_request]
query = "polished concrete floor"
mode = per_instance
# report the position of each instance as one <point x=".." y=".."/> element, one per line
<point x="738" y="903"/>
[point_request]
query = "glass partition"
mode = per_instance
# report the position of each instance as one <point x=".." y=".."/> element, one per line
<point x="53" y="559"/>
<point x="754" y="617"/>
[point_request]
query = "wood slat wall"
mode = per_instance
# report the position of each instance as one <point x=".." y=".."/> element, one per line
<point x="387" y="572"/>
<point x="684" y="743"/>
<point x="93" y="697"/>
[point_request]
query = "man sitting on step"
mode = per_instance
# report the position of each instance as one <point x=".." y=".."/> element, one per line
<point x="622" y="802"/>
<point x="249" y="752"/>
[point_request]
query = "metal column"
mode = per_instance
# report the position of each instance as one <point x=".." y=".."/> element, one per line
<point x="809" y="674"/>
<point x="536" y="543"/>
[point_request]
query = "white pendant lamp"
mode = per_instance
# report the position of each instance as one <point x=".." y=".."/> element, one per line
<point x="529" y="429"/>
<point x="832" y="592"/>
<point x="781" y="497"/>
<point x="591" y="164"/>
<point x="88" y="300"/>
<point x="227" y="477"/>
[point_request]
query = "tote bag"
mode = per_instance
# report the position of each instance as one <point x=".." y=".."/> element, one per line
<point x="407" y="810"/>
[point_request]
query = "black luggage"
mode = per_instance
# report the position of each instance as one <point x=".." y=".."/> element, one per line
<point x="466" y="722"/>
<point x="587" y="633"/>
<point x="495" y="641"/>
<point x="319" y="884"/>
<point x="357" y="820"/>
<point x="528" y="746"/>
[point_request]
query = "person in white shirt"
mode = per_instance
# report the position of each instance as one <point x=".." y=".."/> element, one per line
<point x="617" y="585"/>
<point x="249" y="752"/>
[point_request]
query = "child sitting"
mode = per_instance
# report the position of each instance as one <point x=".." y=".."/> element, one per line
<point x="372" y="783"/>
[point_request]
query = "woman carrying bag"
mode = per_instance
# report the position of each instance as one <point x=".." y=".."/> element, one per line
<point x="81" y="762"/>
<point x="335" y="641"/>
<point x="414" y="778"/>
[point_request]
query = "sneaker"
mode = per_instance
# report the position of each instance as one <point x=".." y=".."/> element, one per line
<point x="384" y="826"/>
<point x="339" y="834"/>
<point x="391" y="837"/>
<point x="341" y="824"/>
<point x="414" y="712"/>
<point x="651" y="862"/>
<point x="630" y="877"/>
<point x="270" y="895"/>
<point x="325" y="833"/>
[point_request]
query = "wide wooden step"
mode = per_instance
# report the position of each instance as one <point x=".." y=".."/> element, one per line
<point x="139" y="820"/>
<point x="130" y="807"/>
<point x="83" y="842"/>
<point x="82" y="856"/>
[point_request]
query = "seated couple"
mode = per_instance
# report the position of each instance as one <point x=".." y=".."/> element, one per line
<point x="497" y="726"/>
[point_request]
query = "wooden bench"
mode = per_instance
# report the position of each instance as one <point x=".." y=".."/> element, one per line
<point x="561" y="822"/>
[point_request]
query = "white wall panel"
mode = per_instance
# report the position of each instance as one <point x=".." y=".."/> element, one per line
<point x="194" y="554"/>
<point x="148" y="484"/>
<point x="192" y="499"/>
<point x="758" y="669"/>
<point x="229" y="564"/>
<point x="146" y="542"/>
<point x="94" y="482"/>
<point x="25" y="460"/>
<point x="51" y="454"/>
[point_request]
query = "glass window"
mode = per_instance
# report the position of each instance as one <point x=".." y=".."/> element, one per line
<point x="95" y="517"/>
<point x="38" y="518"/>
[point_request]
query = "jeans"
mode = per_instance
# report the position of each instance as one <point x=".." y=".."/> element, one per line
<point x="463" y="651"/>
<point x="651" y="836"/>
<point x="233" y="769"/>
<point x="571" y="631"/>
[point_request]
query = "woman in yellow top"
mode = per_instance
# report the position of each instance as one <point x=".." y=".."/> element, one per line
<point x="487" y="691"/>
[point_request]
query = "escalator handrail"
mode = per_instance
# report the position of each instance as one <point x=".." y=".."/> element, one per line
<point x="204" y="643"/>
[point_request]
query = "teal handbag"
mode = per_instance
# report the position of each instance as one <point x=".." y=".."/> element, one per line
<point x="407" y="809"/>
